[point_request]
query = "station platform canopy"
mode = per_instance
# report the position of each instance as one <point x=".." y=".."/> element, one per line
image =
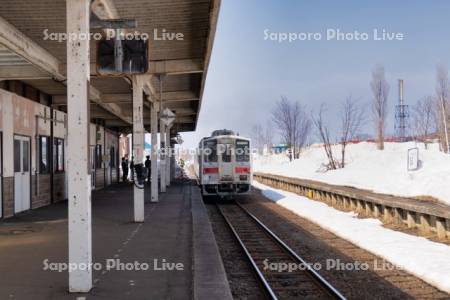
<point x="31" y="51"/>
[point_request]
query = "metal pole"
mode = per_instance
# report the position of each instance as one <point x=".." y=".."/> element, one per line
<point x="444" y="119"/>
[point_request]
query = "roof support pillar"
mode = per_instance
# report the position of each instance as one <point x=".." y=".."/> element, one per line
<point x="79" y="179"/>
<point x="138" y="143"/>
<point x="169" y="155"/>
<point x="154" y="152"/>
<point x="162" y="161"/>
<point x="172" y="167"/>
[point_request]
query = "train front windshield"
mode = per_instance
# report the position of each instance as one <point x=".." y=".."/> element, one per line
<point x="210" y="151"/>
<point x="242" y="151"/>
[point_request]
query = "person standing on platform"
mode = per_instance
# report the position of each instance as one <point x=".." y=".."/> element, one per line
<point x="148" y="166"/>
<point x="132" y="168"/>
<point x="124" y="169"/>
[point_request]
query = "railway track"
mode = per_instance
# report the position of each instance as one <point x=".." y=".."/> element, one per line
<point x="269" y="256"/>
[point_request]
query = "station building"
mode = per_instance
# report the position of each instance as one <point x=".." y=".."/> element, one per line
<point x="33" y="145"/>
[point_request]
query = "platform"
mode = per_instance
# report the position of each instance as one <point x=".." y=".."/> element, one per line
<point x="176" y="231"/>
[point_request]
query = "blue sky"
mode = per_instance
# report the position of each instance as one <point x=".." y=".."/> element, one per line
<point x="248" y="74"/>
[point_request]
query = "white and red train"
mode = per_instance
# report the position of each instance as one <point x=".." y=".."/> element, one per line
<point x="224" y="164"/>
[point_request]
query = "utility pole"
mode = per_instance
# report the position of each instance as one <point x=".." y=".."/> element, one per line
<point x="444" y="119"/>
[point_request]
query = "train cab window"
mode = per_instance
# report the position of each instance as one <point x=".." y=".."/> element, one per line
<point x="226" y="153"/>
<point x="242" y="151"/>
<point x="44" y="154"/>
<point x="210" y="151"/>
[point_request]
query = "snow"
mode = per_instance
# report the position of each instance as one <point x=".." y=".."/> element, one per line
<point x="427" y="260"/>
<point x="368" y="168"/>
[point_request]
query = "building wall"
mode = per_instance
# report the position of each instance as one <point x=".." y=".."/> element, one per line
<point x="41" y="194"/>
<point x="18" y="117"/>
<point x="7" y="128"/>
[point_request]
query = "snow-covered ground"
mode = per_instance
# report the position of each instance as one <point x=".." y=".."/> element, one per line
<point x="368" y="168"/>
<point x="428" y="260"/>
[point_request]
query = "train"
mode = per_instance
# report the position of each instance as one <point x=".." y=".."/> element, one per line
<point x="224" y="164"/>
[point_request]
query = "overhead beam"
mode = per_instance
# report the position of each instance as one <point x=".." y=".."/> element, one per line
<point x="22" y="72"/>
<point x="179" y="112"/>
<point x="167" y="96"/>
<point x="166" y="67"/>
<point x="127" y="97"/>
<point x="179" y="96"/>
<point x="176" y="66"/>
<point x="185" y="119"/>
<point x="22" y="45"/>
<point x="99" y="113"/>
<point x="184" y="112"/>
<point x="115" y="123"/>
<point x="171" y="67"/>
<point x="96" y="96"/>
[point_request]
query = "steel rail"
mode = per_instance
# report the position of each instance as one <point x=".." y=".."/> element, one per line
<point x="261" y="277"/>
<point x="316" y="276"/>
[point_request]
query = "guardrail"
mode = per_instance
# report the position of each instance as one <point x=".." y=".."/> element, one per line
<point x="430" y="218"/>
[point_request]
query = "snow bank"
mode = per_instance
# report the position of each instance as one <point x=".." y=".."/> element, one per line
<point x="368" y="168"/>
<point x="428" y="260"/>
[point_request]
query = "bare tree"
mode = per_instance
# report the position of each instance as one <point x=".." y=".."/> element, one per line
<point x="352" y="116"/>
<point x="262" y="137"/>
<point x="380" y="90"/>
<point x="424" y="118"/>
<point x="257" y="137"/>
<point x="293" y="123"/>
<point x="442" y="92"/>
<point x="324" y="135"/>
<point x="268" y="137"/>
<point x="303" y="130"/>
<point x="281" y="117"/>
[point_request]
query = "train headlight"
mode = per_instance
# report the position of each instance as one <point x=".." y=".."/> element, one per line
<point x="242" y="177"/>
<point x="242" y="170"/>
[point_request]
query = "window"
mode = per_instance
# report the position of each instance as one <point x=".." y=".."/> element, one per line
<point x="26" y="157"/>
<point x="242" y="151"/>
<point x="17" y="156"/>
<point x="210" y="151"/>
<point x="98" y="156"/>
<point x="112" y="157"/>
<point x="58" y="155"/>
<point x="44" y="155"/>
